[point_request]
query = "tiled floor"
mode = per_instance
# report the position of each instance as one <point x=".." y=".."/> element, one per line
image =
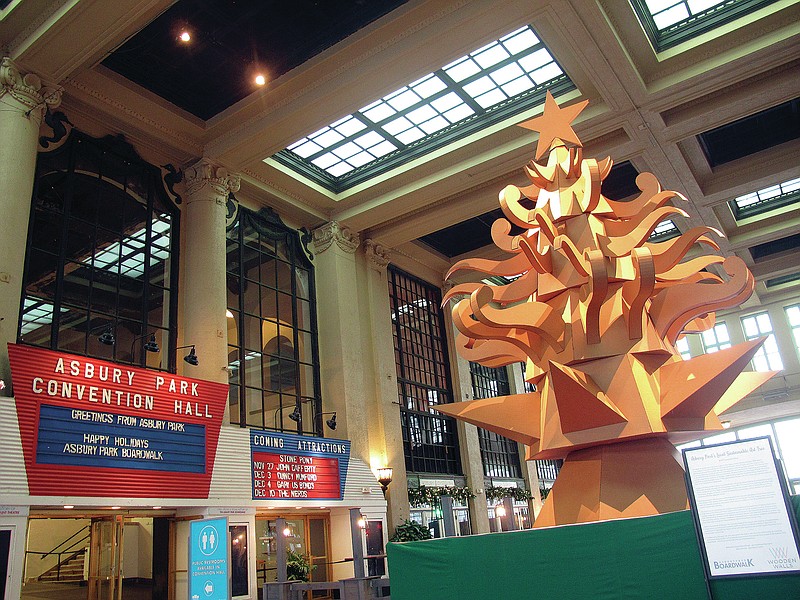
<point x="72" y="591"/>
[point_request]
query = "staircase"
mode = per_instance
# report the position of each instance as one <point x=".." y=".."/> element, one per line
<point x="69" y="570"/>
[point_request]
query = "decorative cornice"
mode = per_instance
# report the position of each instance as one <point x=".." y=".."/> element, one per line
<point x="187" y="143"/>
<point x="205" y="173"/>
<point x="377" y="254"/>
<point x="333" y="232"/>
<point x="304" y="203"/>
<point x="27" y="90"/>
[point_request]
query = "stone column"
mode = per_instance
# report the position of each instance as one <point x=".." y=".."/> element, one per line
<point x="203" y="294"/>
<point x="24" y="101"/>
<point x="386" y="437"/>
<point x="340" y="324"/>
<point x="469" y="443"/>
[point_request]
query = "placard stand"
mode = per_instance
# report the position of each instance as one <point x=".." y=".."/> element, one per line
<point x="741" y="510"/>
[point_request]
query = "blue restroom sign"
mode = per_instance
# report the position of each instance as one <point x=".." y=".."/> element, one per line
<point x="209" y="559"/>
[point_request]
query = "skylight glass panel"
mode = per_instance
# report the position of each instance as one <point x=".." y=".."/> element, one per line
<point x="326" y="160"/>
<point x="36" y="314"/>
<point x="430" y="86"/>
<point x="350" y="126"/>
<point x="670" y="22"/>
<point x="769" y="198"/>
<point x="664" y="231"/>
<point x="519" y="41"/>
<point x="464" y="68"/>
<point x="411" y="135"/>
<point x="369" y="139"/>
<point x="465" y="95"/>
<point x="128" y="257"/>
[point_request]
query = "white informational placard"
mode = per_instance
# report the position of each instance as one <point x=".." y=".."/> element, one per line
<point x="741" y="509"/>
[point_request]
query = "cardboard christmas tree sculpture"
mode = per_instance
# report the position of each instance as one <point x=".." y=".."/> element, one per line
<point x="594" y="310"/>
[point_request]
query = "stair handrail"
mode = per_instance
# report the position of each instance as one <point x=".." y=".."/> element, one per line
<point x="54" y="550"/>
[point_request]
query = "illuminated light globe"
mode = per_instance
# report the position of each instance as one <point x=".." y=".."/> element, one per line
<point x="594" y="312"/>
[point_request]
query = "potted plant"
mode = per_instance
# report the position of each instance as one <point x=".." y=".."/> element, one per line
<point x="410" y="531"/>
<point x="298" y="568"/>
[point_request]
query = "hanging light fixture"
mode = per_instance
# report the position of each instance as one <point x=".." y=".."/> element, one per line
<point x="296" y="415"/>
<point x="107" y="337"/>
<point x="190" y="358"/>
<point x="152" y="345"/>
<point x="332" y="421"/>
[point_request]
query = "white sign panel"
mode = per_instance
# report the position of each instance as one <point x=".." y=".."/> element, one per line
<point x="741" y="509"/>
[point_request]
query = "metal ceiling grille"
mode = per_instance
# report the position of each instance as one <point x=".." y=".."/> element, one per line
<point x="430" y="441"/>
<point x="671" y="22"/>
<point x="492" y="83"/>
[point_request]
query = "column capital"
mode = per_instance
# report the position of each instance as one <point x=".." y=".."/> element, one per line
<point x="27" y="90"/>
<point x="206" y="174"/>
<point x="333" y="232"/>
<point x="377" y="254"/>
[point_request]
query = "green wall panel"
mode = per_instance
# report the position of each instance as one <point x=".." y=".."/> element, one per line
<point x="651" y="557"/>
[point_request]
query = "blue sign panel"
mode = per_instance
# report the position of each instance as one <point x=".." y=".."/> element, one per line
<point x="209" y="560"/>
<point x="292" y="467"/>
<point x="99" y="439"/>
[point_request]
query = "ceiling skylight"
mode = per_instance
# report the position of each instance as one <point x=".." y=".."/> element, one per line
<point x="130" y="255"/>
<point x="670" y="22"/>
<point x="770" y="198"/>
<point x="664" y="231"/>
<point x="491" y="83"/>
<point x="35" y="314"/>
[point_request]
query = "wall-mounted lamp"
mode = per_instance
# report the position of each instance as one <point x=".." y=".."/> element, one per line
<point x="385" y="478"/>
<point x="500" y="511"/>
<point x="150" y="345"/>
<point x="107" y="337"/>
<point x="190" y="358"/>
<point x="332" y="421"/>
<point x="362" y="522"/>
<point x="297" y="416"/>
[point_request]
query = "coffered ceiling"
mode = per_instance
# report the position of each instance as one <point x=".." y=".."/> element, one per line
<point x="714" y="116"/>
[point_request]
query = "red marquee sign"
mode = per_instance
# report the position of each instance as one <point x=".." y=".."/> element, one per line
<point x="95" y="428"/>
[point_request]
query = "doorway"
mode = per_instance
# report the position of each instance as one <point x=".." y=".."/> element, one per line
<point x="104" y="576"/>
<point x="306" y="535"/>
<point x="94" y="557"/>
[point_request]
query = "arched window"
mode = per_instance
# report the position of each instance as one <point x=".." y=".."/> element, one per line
<point x="102" y="255"/>
<point x="272" y="327"/>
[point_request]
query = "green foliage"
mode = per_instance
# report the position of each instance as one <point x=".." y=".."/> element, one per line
<point x="298" y="568"/>
<point x="498" y="493"/>
<point x="544" y="492"/>
<point x="429" y="496"/>
<point x="410" y="531"/>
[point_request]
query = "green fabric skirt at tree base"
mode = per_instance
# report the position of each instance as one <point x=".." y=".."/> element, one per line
<point x="645" y="558"/>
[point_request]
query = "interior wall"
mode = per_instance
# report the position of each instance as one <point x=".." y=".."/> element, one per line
<point x="138" y="548"/>
<point x="43" y="536"/>
<point x="341" y="545"/>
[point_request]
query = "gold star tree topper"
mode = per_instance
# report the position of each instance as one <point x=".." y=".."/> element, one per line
<point x="555" y="123"/>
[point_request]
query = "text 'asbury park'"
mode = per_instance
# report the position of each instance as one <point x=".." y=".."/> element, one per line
<point x="101" y="381"/>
